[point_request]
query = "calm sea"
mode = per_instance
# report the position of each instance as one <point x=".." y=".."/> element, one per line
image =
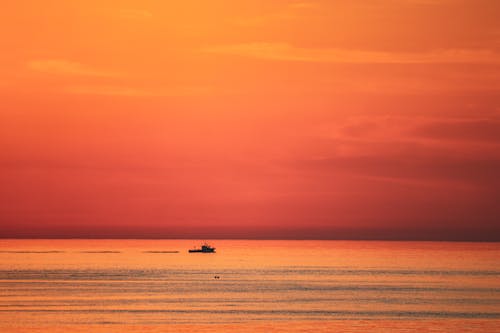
<point x="267" y="286"/>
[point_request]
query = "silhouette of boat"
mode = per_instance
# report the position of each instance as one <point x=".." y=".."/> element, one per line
<point x="205" y="248"/>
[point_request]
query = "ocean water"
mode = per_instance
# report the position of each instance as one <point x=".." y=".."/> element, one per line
<point x="264" y="286"/>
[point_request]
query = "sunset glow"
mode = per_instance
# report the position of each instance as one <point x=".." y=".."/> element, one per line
<point x="250" y="119"/>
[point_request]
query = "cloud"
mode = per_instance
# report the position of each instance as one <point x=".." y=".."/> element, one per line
<point x="482" y="130"/>
<point x="366" y="135"/>
<point x="108" y="90"/>
<point x="67" y="67"/>
<point x="288" y="52"/>
<point x="290" y="11"/>
<point x="418" y="151"/>
<point x="116" y="90"/>
<point x="417" y="163"/>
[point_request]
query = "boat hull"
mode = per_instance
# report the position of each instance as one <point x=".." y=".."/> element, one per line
<point x="202" y="251"/>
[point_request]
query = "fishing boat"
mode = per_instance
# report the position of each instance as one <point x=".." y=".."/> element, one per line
<point x="205" y="248"/>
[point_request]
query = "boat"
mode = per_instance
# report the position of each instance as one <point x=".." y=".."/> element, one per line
<point x="205" y="248"/>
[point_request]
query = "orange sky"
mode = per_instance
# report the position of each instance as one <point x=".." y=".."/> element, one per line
<point x="257" y="119"/>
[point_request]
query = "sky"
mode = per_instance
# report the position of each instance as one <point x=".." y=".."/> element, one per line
<point x="266" y="119"/>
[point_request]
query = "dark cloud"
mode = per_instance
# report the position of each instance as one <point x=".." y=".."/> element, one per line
<point x="409" y="165"/>
<point x="462" y="130"/>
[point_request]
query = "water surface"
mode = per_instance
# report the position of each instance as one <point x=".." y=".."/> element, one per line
<point x="133" y="285"/>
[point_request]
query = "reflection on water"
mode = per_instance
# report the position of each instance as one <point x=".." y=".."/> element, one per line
<point x="263" y="285"/>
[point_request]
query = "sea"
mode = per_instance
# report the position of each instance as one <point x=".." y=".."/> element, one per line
<point x="124" y="286"/>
